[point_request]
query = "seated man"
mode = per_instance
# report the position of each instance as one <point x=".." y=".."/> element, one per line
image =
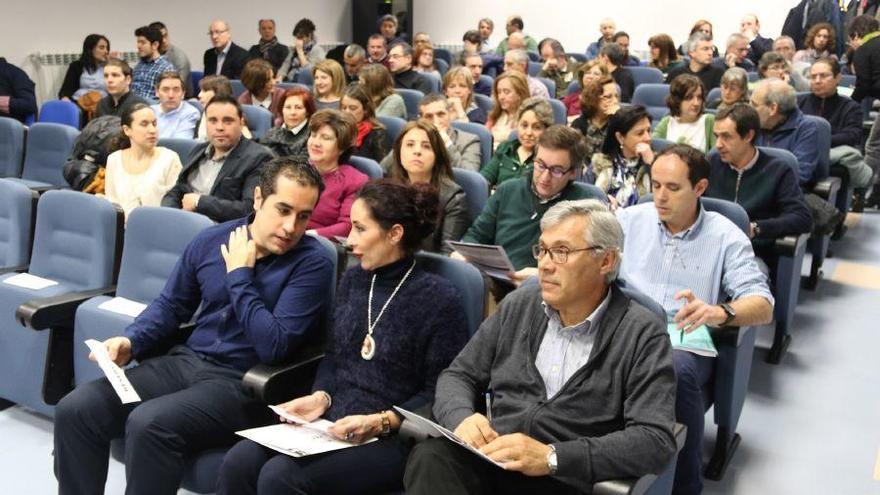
<point x="224" y="58"/>
<point x="699" y="49"/>
<point x="176" y="118"/>
<point x="268" y="48"/>
<point x="463" y="147"/>
<point x="117" y="79"/>
<point x="17" y="97"/>
<point x="737" y="54"/>
<point x="513" y="214"/>
<point x="750" y="27"/>
<point x="354" y="57"/>
<point x="474" y="63"/>
<point x="219" y="176"/>
<point x="581" y="377"/>
<point x="766" y="188"/>
<point x="557" y="66"/>
<point x="153" y="64"/>
<point x="400" y="63"/>
<point x="613" y="57"/>
<point x="176" y="57"/>
<point x="486" y="26"/>
<point x="377" y="49"/>
<point x="622" y="39"/>
<point x="516" y="38"/>
<point x="518" y="61"/>
<point x="259" y="300"/>
<point x="607" y="27"/>
<point x="691" y="261"/>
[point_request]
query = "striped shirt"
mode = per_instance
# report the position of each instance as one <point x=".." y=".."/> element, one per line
<point x="710" y="257"/>
<point x="146" y="74"/>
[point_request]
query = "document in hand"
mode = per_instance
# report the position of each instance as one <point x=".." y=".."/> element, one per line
<point x="697" y="342"/>
<point x="114" y="373"/>
<point x="427" y="425"/>
<point x="491" y="260"/>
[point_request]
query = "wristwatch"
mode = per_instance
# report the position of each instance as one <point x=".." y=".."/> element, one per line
<point x="552" y="464"/>
<point x="731" y="314"/>
<point x="386" y="423"/>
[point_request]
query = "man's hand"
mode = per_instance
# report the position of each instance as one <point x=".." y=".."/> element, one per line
<point x="299" y="45"/>
<point x="189" y="201"/>
<point x="730" y="60"/>
<point x="358" y="428"/>
<point x="240" y="252"/>
<point x="521" y="276"/>
<point x="476" y="431"/>
<point x="519" y="453"/>
<point x="308" y="407"/>
<point x="696" y="312"/>
<point x="119" y="350"/>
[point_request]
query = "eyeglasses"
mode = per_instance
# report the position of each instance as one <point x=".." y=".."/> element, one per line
<point x="555" y="172"/>
<point x="559" y="255"/>
<point x="821" y="75"/>
<point x="219" y="32"/>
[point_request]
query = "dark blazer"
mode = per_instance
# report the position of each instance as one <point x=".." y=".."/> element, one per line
<point x="758" y="47"/>
<point x="453" y="221"/>
<point x="232" y="195"/>
<point x="232" y="66"/>
<point x="275" y="55"/>
<point x="866" y="62"/>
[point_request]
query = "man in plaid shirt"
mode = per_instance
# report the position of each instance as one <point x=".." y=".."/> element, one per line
<point x="152" y="64"/>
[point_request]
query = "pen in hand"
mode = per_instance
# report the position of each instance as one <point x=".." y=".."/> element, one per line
<point x="489" y="405"/>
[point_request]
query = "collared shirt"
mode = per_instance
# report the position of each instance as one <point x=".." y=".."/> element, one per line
<point x="179" y="123"/>
<point x="221" y="57"/>
<point x="145" y="75"/>
<point x="205" y="174"/>
<point x="713" y="258"/>
<point x="265" y="103"/>
<point x="564" y="350"/>
<point x="295" y="130"/>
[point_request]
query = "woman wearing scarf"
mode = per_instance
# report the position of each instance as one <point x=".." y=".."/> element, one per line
<point x="371" y="141"/>
<point x="623" y="167"/>
<point x="304" y="52"/>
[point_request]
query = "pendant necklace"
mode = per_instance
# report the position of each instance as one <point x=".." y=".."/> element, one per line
<point x="368" y="348"/>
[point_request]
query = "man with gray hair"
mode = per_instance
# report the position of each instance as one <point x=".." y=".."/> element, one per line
<point x="691" y="261"/>
<point x="737" y="54"/>
<point x="699" y="48"/>
<point x="485" y="27"/>
<point x="518" y="61"/>
<point x="568" y="383"/>
<point x="557" y="67"/>
<point x="784" y="45"/>
<point x="750" y="27"/>
<point x="353" y="58"/>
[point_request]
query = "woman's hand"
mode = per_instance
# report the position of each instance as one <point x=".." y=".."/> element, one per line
<point x="645" y="152"/>
<point x="308" y="407"/>
<point x="358" y="428"/>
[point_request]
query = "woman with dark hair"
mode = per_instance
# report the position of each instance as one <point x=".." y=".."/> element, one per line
<point x="331" y="142"/>
<point x="289" y="138"/>
<point x="819" y="43"/>
<point x="258" y="78"/>
<point x="687" y="122"/>
<point x="304" y="53"/>
<point x="514" y="157"/>
<point x="395" y="328"/>
<point x="379" y="85"/>
<point x="87" y="73"/>
<point x="139" y="173"/>
<point x="370" y="141"/>
<point x="600" y="99"/>
<point x="701" y="26"/>
<point x="622" y="169"/>
<point x="663" y="54"/>
<point x="458" y="86"/>
<point x="209" y="87"/>
<point x="420" y="157"/>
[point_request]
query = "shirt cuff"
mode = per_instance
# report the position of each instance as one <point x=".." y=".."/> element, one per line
<point x="4" y="104"/>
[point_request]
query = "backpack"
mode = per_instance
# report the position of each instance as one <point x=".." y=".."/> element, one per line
<point x="90" y="151"/>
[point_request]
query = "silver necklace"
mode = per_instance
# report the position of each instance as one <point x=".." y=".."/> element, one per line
<point x="368" y="348"/>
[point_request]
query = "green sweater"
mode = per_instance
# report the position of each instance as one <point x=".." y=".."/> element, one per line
<point x="661" y="130"/>
<point x="505" y="164"/>
<point x="512" y="218"/>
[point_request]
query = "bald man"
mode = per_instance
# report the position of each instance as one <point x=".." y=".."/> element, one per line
<point x="225" y="58"/>
<point x="750" y="27"/>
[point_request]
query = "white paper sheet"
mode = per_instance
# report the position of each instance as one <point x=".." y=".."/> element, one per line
<point x="491" y="260"/>
<point x="114" y="373"/>
<point x="298" y="440"/>
<point x="427" y="423"/>
<point x="28" y="281"/>
<point x="123" y="306"/>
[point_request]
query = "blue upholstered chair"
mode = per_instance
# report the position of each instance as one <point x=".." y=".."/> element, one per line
<point x="18" y="208"/>
<point x="580" y="57"/>
<point x="444" y="55"/>
<point x="714" y="96"/>
<point x="411" y="99"/>
<point x="367" y="166"/>
<point x="645" y="75"/>
<point x="61" y="112"/>
<point x="12" y="135"/>
<point x="393" y="128"/>
<point x="259" y="120"/>
<point x="183" y="147"/>
<point x="442" y="65"/>
<point x="237" y="87"/>
<point x="573" y="87"/>
<point x="659" y="144"/>
<point x="560" y="114"/>
<point x="486" y="139"/>
<point x="47" y="148"/>
<point x="550" y="85"/>
<point x="197" y="77"/>
<point x="476" y="190"/>
<point x="653" y="98"/>
<point x="534" y="68"/>
<point x="826" y="187"/>
<point x="434" y="80"/>
<point x="304" y="77"/>
<point x="484" y="102"/>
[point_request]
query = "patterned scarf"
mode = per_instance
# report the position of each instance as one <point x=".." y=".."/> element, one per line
<point x="265" y="46"/>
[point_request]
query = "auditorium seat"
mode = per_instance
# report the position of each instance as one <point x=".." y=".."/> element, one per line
<point x="367" y="166"/>
<point x="714" y="96"/>
<point x="442" y="66"/>
<point x="578" y="57"/>
<point x="573" y="87"/>
<point x="259" y="120"/>
<point x="47" y="148"/>
<point x="18" y="208"/>
<point x="393" y="128"/>
<point x="304" y="77"/>
<point x="646" y="75"/>
<point x="653" y="98"/>
<point x="444" y="55"/>
<point x="197" y="77"/>
<point x="534" y="68"/>
<point x="660" y="144"/>
<point x="484" y="102"/>
<point x="183" y="147"/>
<point x="434" y="80"/>
<point x="237" y="88"/>
<point x="12" y="139"/>
<point x="826" y="187"/>
<point x="550" y="85"/>
<point x="560" y="114"/>
<point x="486" y="139"/>
<point x="411" y="98"/>
<point x="61" y="112"/>
<point x="476" y="191"/>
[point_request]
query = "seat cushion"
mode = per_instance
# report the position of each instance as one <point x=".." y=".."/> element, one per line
<point x="92" y="322"/>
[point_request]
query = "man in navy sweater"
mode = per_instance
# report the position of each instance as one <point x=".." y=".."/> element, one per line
<point x="260" y="287"/>
<point x="17" y="99"/>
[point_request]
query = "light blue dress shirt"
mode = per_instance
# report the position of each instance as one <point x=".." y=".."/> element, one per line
<point x="179" y="123"/>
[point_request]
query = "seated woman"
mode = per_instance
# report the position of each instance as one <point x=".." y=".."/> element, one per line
<point x="379" y="85"/>
<point x="514" y="157"/>
<point x="508" y="93"/>
<point x="589" y="71"/>
<point x="209" y="87"/>
<point x="701" y="26"/>
<point x="687" y="123"/>
<point x="623" y="167"/>
<point x="139" y="173"/>
<point x="423" y="60"/>
<point x="376" y="359"/>
<point x="258" y="78"/>
<point x="774" y="65"/>
<point x="86" y="74"/>
<point x="371" y="140"/>
<point x="304" y="53"/>
<point x="458" y="85"/>
<point x="289" y="139"/>
<point x="819" y="43"/>
<point x="600" y="99"/>
<point x="663" y="54"/>
<point x="420" y="157"/>
<point x="329" y="83"/>
<point x="734" y="89"/>
<point x="331" y="140"/>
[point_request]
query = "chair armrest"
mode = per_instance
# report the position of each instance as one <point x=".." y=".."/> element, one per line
<point x="826" y="187"/>
<point x="13" y="269"/>
<point x="54" y="311"/>
<point x="638" y="486"/>
<point x="729" y="335"/>
<point x="272" y="384"/>
<point x="791" y="245"/>
<point x="42" y="189"/>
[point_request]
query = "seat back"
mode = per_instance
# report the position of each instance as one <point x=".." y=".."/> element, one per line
<point x="237" y="87"/>
<point x="434" y="80"/>
<point x="658" y="144"/>
<point x="12" y="133"/>
<point x="713" y="97"/>
<point x="485" y="136"/>
<point x="476" y="190"/>
<point x="17" y="209"/>
<point x="48" y="146"/>
<point x="645" y="75"/>
<point x="593" y="191"/>
<point x="847" y="81"/>
<point x="486" y="79"/>
<point x="753" y="76"/>
<point x="77" y="239"/>
<point x="534" y="68"/>
<point x="580" y="57"/>
<point x="411" y="98"/>
<point x="367" y="166"/>
<point x="643" y="299"/>
<point x="484" y="102"/>
<point x="304" y="77"/>
<point x="785" y="156"/>
<point x="467" y="279"/>
<point x="393" y="128"/>
<point x="183" y="147"/>
<point x="653" y="98"/>
<point x="560" y="114"/>
<point x="196" y="104"/>
<point x="259" y="120"/>
<point x="61" y="112"/>
<point x="734" y="212"/>
<point x="442" y="65"/>
<point x="444" y="55"/>
<point x="573" y="87"/>
<point x="823" y="147"/>
<point x="551" y="86"/>
<point x="197" y="77"/>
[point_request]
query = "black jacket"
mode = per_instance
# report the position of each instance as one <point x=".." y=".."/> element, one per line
<point x="71" y="80"/>
<point x="844" y="115"/>
<point x="274" y="56"/>
<point x="282" y="142"/>
<point x="232" y="195"/>
<point x="866" y="63"/>
<point x="758" y="47"/>
<point x="710" y="76"/>
<point x="624" y="79"/>
<point x="454" y="220"/>
<point x="108" y="107"/>
<point x="19" y="87"/>
<point x="232" y="65"/>
<point x="411" y="79"/>
<point x="374" y="145"/>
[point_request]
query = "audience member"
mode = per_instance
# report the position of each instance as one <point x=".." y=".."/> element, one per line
<point x="362" y="377"/>
<point x="866" y="65"/>
<point x="388" y="29"/>
<point x="687" y="122"/>
<point x="599" y="100"/>
<point x="424" y="60"/>
<point x="528" y="358"/>
<point x="819" y="43"/>
<point x="774" y="65"/>
<point x="701" y="26"/>
<point x="473" y="62"/>
<point x="268" y="48"/>
<point x="219" y="176"/>
<point x="622" y="39"/>
<point x="379" y="85"/>
<point x="459" y="88"/>
<point x="485" y="27"/>
<point x="331" y="141"/>
<point x="224" y="58"/>
<point x="217" y="280"/>
<point x="664" y="57"/>
<point x="289" y="139"/>
<point x="304" y="53"/>
<point x="514" y="27"/>
<point x="400" y="63"/>
<point x="176" y="118"/>
<point x="514" y="157"/>
<point x="329" y="83"/>
<point x="589" y="71"/>
<point x="422" y="38"/>
<point x="622" y="169"/>
<point x="152" y="64"/>
<point x="84" y="80"/>
<point x="607" y="28"/>
<point x="117" y="81"/>
<point x="557" y="66"/>
<point x="353" y="60"/>
<point x="613" y="57"/>
<point x="377" y="49"/>
<point x="785" y="46"/>
<point x="177" y="58"/>
<point x="737" y="54"/>
<point x="508" y="93"/>
<point x="758" y="45"/>
<point x="419" y="157"/>
<point x="715" y="264"/>
<point x="471" y="42"/>
<point x="258" y="79"/>
<point x="699" y="48"/>
<point x="209" y="87"/>
<point x="371" y="138"/>
<point x="734" y="89"/>
<point x="139" y="173"/>
<point x="516" y="60"/>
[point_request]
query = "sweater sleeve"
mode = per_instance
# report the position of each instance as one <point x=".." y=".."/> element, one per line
<point x="804" y="149"/>
<point x="662" y="128"/>
<point x="849" y="130"/>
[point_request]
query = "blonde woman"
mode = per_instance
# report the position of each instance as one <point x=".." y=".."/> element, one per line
<point x="508" y="93"/>
<point x="329" y="83"/>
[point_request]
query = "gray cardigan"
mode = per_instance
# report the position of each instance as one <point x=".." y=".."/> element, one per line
<point x="612" y="419"/>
